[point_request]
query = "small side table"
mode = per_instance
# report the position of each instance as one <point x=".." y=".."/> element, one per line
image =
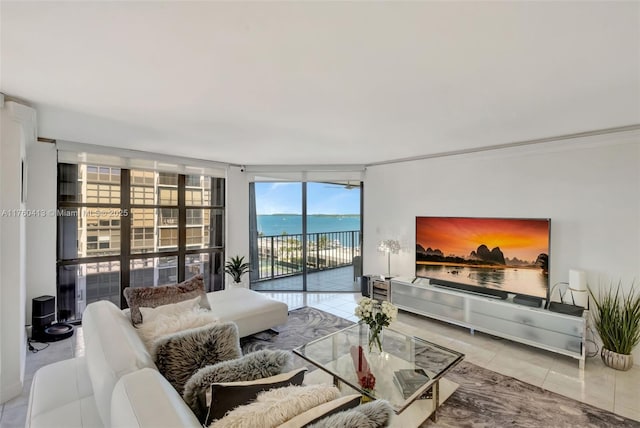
<point x="380" y="289"/>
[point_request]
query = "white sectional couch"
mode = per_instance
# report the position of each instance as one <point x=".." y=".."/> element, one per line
<point x="117" y="383"/>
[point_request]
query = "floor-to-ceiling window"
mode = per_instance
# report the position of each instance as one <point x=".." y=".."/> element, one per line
<point x="307" y="235"/>
<point x="128" y="227"/>
<point x="333" y="234"/>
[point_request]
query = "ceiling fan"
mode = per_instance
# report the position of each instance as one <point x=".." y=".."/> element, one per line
<point x="346" y="185"/>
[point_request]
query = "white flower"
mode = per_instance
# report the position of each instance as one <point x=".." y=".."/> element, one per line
<point x="375" y="313"/>
<point x="389" y="310"/>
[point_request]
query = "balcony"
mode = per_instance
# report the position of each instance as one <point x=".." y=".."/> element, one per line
<point x="329" y="259"/>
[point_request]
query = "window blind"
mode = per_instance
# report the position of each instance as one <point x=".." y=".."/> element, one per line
<point x="75" y="153"/>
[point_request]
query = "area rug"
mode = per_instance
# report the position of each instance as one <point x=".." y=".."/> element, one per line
<point x="489" y="399"/>
<point x="304" y="325"/>
<point x="483" y="399"/>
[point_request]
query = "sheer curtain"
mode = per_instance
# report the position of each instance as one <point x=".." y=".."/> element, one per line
<point x="254" y="273"/>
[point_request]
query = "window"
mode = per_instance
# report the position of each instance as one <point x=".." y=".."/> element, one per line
<point x="142" y="195"/>
<point x="193" y="181"/>
<point x="168" y="238"/>
<point x="120" y="228"/>
<point x="168" y="196"/>
<point x="142" y="239"/>
<point x="167" y="179"/>
<point x="168" y="217"/>
<point x="194" y="217"/>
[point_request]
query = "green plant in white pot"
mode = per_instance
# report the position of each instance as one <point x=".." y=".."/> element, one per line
<point x="617" y="319"/>
<point x="237" y="267"/>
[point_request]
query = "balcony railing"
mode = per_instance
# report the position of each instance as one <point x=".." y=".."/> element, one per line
<point x="281" y="255"/>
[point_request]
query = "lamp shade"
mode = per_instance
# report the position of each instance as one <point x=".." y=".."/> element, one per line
<point x="389" y="246"/>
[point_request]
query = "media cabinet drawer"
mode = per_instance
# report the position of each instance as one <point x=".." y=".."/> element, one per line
<point x="535" y="318"/>
<point x="413" y="292"/>
<point x="546" y="338"/>
<point x="422" y="301"/>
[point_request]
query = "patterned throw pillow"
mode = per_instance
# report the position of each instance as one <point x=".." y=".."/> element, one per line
<point x="151" y="297"/>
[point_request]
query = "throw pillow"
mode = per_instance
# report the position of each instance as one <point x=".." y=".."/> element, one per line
<point x="169" y="319"/>
<point x="152" y="297"/>
<point x="170" y="310"/>
<point x="322" y="411"/>
<point x="256" y="365"/>
<point x="376" y="414"/>
<point x="178" y="356"/>
<point x="228" y="396"/>
<point x="277" y="406"/>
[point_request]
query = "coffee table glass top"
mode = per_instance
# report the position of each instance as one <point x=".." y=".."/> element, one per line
<point x="404" y="371"/>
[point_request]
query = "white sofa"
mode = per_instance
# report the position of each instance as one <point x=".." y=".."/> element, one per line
<point x="117" y="383"/>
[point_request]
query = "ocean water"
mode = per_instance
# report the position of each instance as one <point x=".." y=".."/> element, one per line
<point x="291" y="224"/>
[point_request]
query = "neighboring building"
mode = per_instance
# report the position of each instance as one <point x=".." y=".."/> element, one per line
<point x="96" y="226"/>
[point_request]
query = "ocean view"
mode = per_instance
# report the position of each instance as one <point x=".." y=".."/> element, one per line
<point x="275" y="224"/>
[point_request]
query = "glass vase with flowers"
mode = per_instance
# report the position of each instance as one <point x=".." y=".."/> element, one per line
<point x="377" y="315"/>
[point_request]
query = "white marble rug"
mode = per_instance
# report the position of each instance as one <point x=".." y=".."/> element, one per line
<point x="489" y="399"/>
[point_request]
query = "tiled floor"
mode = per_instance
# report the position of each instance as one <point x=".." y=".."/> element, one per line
<point x="597" y="385"/>
<point x="332" y="280"/>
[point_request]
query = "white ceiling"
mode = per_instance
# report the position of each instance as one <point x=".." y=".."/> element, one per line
<point x="321" y="82"/>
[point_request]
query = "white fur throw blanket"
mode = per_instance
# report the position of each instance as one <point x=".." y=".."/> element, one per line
<point x="276" y="406"/>
<point x="163" y="325"/>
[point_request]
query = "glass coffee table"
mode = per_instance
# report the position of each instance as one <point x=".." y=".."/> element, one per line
<point x="407" y="373"/>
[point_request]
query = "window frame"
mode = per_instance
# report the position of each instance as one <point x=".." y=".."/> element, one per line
<point x="214" y="265"/>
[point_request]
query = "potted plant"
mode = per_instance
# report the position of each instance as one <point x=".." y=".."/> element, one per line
<point x="236" y="267"/>
<point x="617" y="320"/>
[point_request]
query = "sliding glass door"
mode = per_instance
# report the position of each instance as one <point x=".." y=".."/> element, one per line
<point x="333" y="235"/>
<point x="305" y="236"/>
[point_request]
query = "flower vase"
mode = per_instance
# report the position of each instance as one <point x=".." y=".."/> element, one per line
<point x="375" y="339"/>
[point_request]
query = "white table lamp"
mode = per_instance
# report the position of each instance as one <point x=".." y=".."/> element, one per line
<point x="389" y="246"/>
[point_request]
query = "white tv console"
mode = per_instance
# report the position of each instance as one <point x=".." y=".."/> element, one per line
<point x="552" y="331"/>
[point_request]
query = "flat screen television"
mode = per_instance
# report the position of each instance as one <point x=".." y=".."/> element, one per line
<point x="493" y="256"/>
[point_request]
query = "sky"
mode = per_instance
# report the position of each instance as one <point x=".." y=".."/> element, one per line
<point x="323" y="198"/>
<point x="524" y="239"/>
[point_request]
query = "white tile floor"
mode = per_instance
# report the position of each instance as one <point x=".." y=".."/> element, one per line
<point x="331" y="280"/>
<point x="597" y="385"/>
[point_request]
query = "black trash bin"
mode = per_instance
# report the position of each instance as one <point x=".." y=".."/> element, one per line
<point x="364" y="285"/>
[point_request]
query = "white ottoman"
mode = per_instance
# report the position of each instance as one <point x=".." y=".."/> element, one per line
<point x="251" y="311"/>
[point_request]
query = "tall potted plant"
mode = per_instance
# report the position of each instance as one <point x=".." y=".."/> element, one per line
<point x="617" y="320"/>
<point x="236" y="267"/>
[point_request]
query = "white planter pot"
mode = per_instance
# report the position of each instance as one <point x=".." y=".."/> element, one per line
<point x="616" y="361"/>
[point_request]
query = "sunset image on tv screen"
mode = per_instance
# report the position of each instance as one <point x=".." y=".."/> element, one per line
<point x="505" y="254"/>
